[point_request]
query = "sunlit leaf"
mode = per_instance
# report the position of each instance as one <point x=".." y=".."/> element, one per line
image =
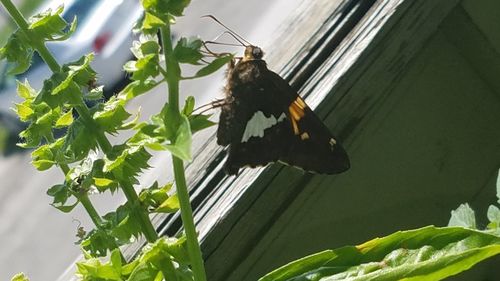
<point x="213" y="66"/>
<point x="429" y="253"/>
<point x="65" y="120"/>
<point x="463" y="216"/>
<point x="20" y="277"/>
<point x="169" y="206"/>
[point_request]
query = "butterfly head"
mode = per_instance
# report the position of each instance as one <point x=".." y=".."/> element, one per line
<point x="253" y="53"/>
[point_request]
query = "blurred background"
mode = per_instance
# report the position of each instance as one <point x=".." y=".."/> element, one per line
<point x="37" y="239"/>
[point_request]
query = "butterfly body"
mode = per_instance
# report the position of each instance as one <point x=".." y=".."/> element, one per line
<point x="264" y="120"/>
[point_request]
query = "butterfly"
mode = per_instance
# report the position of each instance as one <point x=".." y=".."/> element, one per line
<point x="263" y="120"/>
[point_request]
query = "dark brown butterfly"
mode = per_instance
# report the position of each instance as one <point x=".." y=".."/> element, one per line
<point x="264" y="120"/>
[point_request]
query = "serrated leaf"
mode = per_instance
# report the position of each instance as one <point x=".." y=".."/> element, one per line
<point x="187" y="50"/>
<point x="111" y="116"/>
<point x="170" y="205"/>
<point x="65" y="120"/>
<point x="213" y="66"/>
<point x="428" y="253"/>
<point x="23" y="111"/>
<point x="463" y="216"/>
<point x="18" y="53"/>
<point x="25" y="91"/>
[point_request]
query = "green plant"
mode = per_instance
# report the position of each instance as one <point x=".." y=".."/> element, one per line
<point x="429" y="253"/>
<point x="61" y="104"/>
<point x="422" y="254"/>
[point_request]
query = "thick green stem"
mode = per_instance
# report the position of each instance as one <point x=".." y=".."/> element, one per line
<point x="83" y="111"/>
<point x="173" y="74"/>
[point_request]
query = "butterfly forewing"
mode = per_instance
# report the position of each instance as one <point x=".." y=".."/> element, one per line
<point x="265" y="121"/>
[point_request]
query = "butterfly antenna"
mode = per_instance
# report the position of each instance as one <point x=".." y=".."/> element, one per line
<point x="234" y="34"/>
<point x="209" y="106"/>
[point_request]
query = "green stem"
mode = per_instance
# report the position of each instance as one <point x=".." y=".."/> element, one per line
<point x="173" y="74"/>
<point x="188" y="221"/>
<point x="83" y="111"/>
<point x="37" y="43"/>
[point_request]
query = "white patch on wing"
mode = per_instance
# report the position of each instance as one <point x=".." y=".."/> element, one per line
<point x="258" y="123"/>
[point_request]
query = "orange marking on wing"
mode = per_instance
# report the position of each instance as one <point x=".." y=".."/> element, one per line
<point x="296" y="110"/>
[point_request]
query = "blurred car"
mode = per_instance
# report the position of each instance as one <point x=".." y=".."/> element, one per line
<point x="104" y="28"/>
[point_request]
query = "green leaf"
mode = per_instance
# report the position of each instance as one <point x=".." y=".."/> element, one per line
<point x="23" y="111"/>
<point x="136" y="88"/>
<point x="494" y="218"/>
<point x="25" y="91"/>
<point x="61" y="193"/>
<point x="65" y="120"/>
<point x="181" y="147"/>
<point x="126" y="162"/>
<point x="428" y="253"/>
<point x="18" y="53"/>
<point x="93" y="269"/>
<point x="102" y="182"/>
<point x="143" y="272"/>
<point x="188" y="106"/>
<point x="213" y="66"/>
<point x="199" y="122"/>
<point x="187" y="50"/>
<point x="111" y="116"/>
<point x="20" y="277"/>
<point x="498" y="187"/>
<point x="45" y="156"/>
<point x="151" y="23"/>
<point x="463" y="216"/>
<point x="77" y="143"/>
<point x="170" y="205"/>
<point x="50" y="25"/>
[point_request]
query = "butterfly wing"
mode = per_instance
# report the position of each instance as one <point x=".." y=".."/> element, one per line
<point x="268" y="122"/>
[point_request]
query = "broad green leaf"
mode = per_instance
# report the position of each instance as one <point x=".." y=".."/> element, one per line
<point x="213" y="66"/>
<point x="187" y="50"/>
<point x="170" y="205"/>
<point x="428" y="253"/>
<point x="20" y="277"/>
<point x="65" y="120"/>
<point x="181" y="147"/>
<point x="463" y="216"/>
